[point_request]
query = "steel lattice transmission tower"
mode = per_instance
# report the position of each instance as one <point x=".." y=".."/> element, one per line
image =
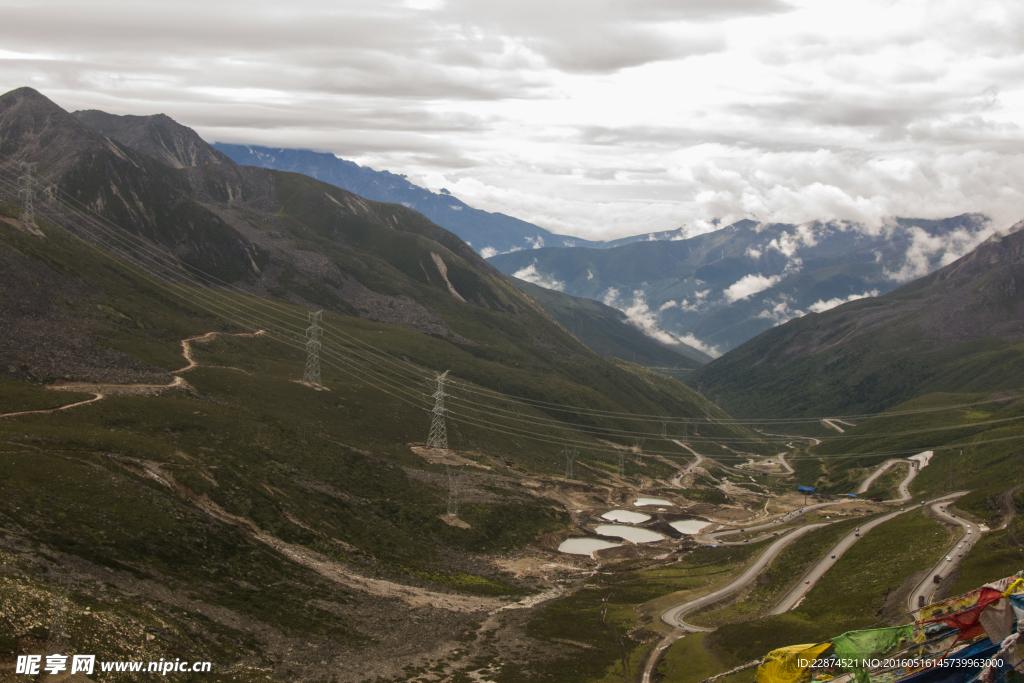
<point x="438" y="432"/>
<point x="27" y="193"/>
<point x="639" y="441"/>
<point x="622" y="463"/>
<point x="312" y="374"/>
<point x="60" y="586"/>
<point x="570" y="456"/>
<point x="453" y="490"/>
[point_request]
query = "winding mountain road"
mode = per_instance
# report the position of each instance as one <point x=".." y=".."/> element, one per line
<point x="922" y="594"/>
<point x="811" y="577"/>
<point x="673" y="615"/>
<point x="866" y="484"/>
<point x="96" y="397"/>
<point x="101" y="390"/>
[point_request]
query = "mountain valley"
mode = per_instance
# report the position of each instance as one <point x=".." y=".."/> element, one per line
<point x="310" y="434"/>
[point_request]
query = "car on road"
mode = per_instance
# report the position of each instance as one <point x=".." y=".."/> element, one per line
<point x="948" y="558"/>
<point x="970" y="530"/>
<point x="833" y="557"/>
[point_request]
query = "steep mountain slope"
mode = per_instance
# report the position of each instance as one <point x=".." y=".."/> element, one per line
<point x="726" y="286"/>
<point x="481" y="229"/>
<point x="959" y="329"/>
<point x="159" y="136"/>
<point x="607" y="331"/>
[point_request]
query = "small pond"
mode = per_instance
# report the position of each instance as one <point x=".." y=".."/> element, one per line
<point x="689" y="526"/>
<point x="651" y="501"/>
<point x="625" y="516"/>
<point x="629" y="533"/>
<point x="585" y="546"/>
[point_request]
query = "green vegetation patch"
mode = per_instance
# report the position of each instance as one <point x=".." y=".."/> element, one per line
<point x="17" y="396"/>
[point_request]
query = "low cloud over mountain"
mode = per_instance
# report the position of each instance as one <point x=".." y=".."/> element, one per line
<point x="717" y="290"/>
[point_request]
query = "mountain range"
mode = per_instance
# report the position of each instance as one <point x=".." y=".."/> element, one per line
<point x="719" y="289"/>
<point x="488" y="233"/>
<point x="959" y="329"/>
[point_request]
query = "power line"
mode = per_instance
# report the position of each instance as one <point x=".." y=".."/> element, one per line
<point x="584" y="411"/>
<point x="552" y="423"/>
<point x="210" y="303"/>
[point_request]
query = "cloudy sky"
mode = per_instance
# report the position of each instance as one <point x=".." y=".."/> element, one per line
<point x="593" y="118"/>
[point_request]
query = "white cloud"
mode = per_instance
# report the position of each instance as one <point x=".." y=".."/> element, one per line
<point x="753" y="253"/>
<point x="927" y="252"/>
<point x="780" y="311"/>
<point x="690" y="340"/>
<point x="488" y="252"/>
<point x="530" y="274"/>
<point x="748" y="285"/>
<point x="590" y="276"/>
<point x="556" y="113"/>
<point x="639" y="314"/>
<point x="699" y="302"/>
<point x="537" y="241"/>
<point x="821" y="305"/>
<point x="788" y="244"/>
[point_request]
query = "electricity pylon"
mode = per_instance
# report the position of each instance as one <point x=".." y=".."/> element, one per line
<point x="312" y="374"/>
<point x="27" y="192"/>
<point x="570" y="455"/>
<point x="639" y="441"/>
<point x="453" y="491"/>
<point x="438" y="433"/>
<point x="622" y="463"/>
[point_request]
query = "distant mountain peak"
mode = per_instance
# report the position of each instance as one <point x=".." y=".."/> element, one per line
<point x="157" y="135"/>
